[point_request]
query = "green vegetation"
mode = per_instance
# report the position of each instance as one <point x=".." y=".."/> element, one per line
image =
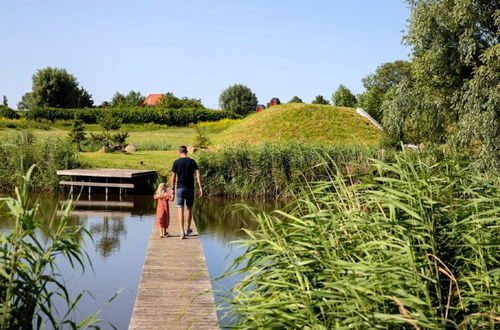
<point x="272" y="169"/>
<point x="413" y="245"/>
<point x="452" y="95"/>
<point x="319" y="99"/>
<point x="303" y="123"/>
<point x="239" y="99"/>
<point x="19" y="151"/>
<point x="132" y="99"/>
<point x="140" y="115"/>
<point x="77" y="133"/>
<point x="343" y="97"/>
<point x="53" y="87"/>
<point x="6" y="112"/>
<point x="30" y="283"/>
<point x="296" y="99"/>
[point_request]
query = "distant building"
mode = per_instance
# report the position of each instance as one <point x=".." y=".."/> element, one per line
<point x="260" y="107"/>
<point x="152" y="99"/>
<point x="274" y="101"/>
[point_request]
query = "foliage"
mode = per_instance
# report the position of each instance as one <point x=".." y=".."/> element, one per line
<point x="380" y="84"/>
<point x="85" y="99"/>
<point x="343" y="97"/>
<point x="77" y="133"/>
<point x="53" y="87"/>
<point x="454" y="51"/>
<point x="5" y="102"/>
<point x="200" y="139"/>
<point x="271" y="169"/>
<point x="132" y="99"/>
<point x="304" y="123"/>
<point x="109" y="122"/>
<point x="319" y="99"/>
<point x="239" y="99"/>
<point x="24" y="124"/>
<point x="6" y="112"/>
<point x="413" y="245"/>
<point x="18" y="152"/>
<point x="295" y="99"/>
<point x="30" y="282"/>
<point x="214" y="127"/>
<point x="170" y="101"/>
<point x="140" y="115"/>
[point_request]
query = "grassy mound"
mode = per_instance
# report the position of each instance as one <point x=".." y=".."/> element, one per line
<point x="303" y="123"/>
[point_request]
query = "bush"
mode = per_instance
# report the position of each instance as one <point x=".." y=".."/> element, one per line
<point x="272" y="169"/>
<point x="238" y="98"/>
<point x="18" y="152"/>
<point x="25" y="124"/>
<point x="6" y="112"/>
<point x="415" y="245"/>
<point x="140" y="115"/>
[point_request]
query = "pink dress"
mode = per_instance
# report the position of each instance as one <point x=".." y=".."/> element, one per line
<point x="162" y="211"/>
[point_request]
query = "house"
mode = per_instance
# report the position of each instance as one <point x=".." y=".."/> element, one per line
<point x="152" y="99"/>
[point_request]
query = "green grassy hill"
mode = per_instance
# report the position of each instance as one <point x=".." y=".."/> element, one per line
<point x="304" y="123"/>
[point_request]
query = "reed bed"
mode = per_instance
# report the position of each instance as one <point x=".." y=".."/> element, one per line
<point x="413" y="244"/>
<point x="18" y="152"/>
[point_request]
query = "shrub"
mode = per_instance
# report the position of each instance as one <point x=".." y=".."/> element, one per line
<point x="414" y="245"/>
<point x="238" y="98"/>
<point x="6" y="112"/>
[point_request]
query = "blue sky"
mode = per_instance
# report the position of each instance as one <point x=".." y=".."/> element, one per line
<point x="198" y="48"/>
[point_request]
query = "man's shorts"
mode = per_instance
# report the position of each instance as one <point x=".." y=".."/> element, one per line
<point x="184" y="196"/>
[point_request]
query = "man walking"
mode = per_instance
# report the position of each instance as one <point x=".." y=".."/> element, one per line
<point x="182" y="183"/>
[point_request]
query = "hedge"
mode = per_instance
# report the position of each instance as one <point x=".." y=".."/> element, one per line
<point x="171" y="117"/>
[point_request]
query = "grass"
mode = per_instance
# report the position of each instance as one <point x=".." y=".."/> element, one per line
<point x="303" y="123"/>
<point x="413" y="245"/>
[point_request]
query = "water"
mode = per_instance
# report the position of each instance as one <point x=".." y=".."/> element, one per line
<point x="120" y="235"/>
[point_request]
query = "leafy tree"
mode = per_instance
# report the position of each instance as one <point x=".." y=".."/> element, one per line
<point x="239" y="99"/>
<point x="77" y="133"/>
<point x="132" y="99"/>
<point x="169" y="100"/>
<point x="454" y="48"/>
<point x="319" y="99"/>
<point x="387" y="77"/>
<point x="5" y="102"/>
<point x="25" y="103"/>
<point x="85" y="99"/>
<point x="7" y="112"/>
<point x="343" y="97"/>
<point x="295" y="99"/>
<point x="109" y="122"/>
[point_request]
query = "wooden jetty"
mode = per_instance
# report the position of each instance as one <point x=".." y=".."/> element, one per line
<point x="175" y="290"/>
<point x="138" y="181"/>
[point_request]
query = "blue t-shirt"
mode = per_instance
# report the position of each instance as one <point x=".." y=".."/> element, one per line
<point x="185" y="168"/>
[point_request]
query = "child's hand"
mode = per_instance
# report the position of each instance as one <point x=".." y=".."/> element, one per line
<point x="172" y="197"/>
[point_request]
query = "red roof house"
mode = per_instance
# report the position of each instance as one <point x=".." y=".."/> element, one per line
<point x="152" y="99"/>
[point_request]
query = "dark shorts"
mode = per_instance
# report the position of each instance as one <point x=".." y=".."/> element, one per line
<point x="184" y="196"/>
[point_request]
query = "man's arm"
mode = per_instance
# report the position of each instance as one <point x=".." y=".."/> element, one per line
<point x="173" y="176"/>
<point x="198" y="178"/>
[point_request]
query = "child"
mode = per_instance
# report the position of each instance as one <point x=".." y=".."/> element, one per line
<point x="162" y="212"/>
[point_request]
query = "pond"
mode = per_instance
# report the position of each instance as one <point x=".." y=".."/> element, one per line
<point x="120" y="231"/>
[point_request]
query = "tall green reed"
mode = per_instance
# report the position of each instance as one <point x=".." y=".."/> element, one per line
<point x="411" y="245"/>
<point x="30" y="282"/>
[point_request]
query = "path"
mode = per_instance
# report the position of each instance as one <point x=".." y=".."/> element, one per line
<point x="174" y="290"/>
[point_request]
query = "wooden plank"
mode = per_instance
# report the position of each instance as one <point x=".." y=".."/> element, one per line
<point x="96" y="184"/>
<point x="174" y="290"/>
<point x="100" y="203"/>
<point x="99" y="214"/>
<point x="107" y="173"/>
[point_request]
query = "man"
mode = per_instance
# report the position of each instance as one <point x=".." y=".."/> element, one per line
<point x="182" y="183"/>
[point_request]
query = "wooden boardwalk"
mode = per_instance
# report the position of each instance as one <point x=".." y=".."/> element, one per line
<point x="174" y="290"/>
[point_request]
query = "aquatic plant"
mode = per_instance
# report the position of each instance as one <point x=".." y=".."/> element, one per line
<point x="413" y="244"/>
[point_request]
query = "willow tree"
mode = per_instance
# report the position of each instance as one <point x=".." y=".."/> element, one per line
<point x="452" y="94"/>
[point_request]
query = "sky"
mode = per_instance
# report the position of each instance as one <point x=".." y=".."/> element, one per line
<point x="278" y="48"/>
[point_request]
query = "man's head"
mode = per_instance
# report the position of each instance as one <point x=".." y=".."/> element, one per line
<point x="183" y="150"/>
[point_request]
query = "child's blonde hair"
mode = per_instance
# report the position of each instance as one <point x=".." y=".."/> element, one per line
<point x="161" y="191"/>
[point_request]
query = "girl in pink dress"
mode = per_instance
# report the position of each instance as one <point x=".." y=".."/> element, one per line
<point x="162" y="211"/>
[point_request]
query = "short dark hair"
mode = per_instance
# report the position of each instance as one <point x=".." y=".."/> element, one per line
<point x="183" y="150"/>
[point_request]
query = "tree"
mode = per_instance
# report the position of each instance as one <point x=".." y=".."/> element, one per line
<point x="53" y="87"/>
<point x="343" y="97"/>
<point x="319" y="99"/>
<point x="454" y="47"/>
<point x="132" y="99"/>
<point x="295" y="99"/>
<point x="238" y="98"/>
<point x="169" y="100"/>
<point x="77" y="133"/>
<point x="85" y="99"/>
<point x="5" y="102"/>
<point x="386" y="77"/>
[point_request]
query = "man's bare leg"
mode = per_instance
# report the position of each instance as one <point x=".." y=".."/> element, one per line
<point x="180" y="217"/>
<point x="189" y="215"/>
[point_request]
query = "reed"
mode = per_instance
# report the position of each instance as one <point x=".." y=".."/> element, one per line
<point x="413" y="244"/>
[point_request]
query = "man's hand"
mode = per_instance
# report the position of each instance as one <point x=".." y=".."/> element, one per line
<point x="200" y="192"/>
<point x="172" y="197"/>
